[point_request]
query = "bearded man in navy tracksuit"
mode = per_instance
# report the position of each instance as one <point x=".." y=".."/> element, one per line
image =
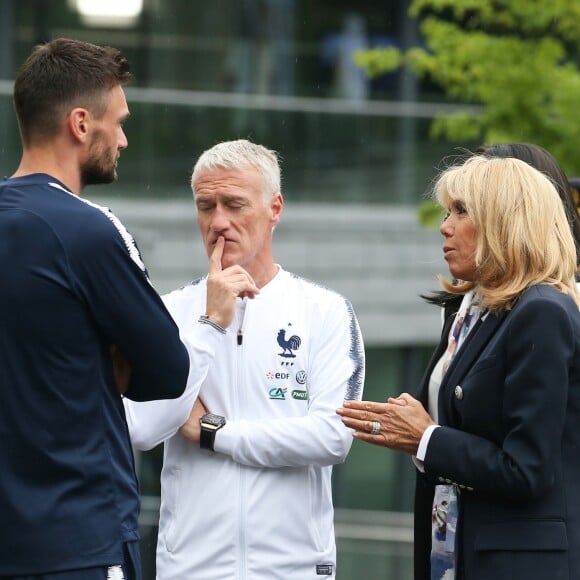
<point x="74" y="290"/>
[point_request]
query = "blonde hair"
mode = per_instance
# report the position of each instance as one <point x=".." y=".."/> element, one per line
<point x="523" y="236"/>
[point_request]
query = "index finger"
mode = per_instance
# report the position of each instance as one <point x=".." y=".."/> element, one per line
<point x="371" y="406"/>
<point x="215" y="260"/>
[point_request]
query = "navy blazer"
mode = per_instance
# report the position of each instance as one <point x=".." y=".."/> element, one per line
<point x="509" y="410"/>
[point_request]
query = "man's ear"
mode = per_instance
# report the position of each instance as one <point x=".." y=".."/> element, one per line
<point x="276" y="206"/>
<point x="78" y="122"/>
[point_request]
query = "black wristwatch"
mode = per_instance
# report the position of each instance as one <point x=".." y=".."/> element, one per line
<point x="210" y="424"/>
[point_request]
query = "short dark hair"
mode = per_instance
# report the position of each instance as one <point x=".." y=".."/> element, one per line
<point x="60" y="75"/>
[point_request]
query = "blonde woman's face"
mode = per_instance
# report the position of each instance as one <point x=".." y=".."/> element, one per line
<point x="460" y="241"/>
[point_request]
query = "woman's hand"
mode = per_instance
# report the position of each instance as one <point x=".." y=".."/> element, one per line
<point x="398" y="424"/>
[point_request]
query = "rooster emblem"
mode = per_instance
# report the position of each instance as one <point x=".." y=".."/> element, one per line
<point x="288" y="345"/>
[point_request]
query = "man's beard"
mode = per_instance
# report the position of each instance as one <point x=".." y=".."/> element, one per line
<point x="100" y="167"/>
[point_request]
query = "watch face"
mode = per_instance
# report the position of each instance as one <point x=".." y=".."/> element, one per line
<point x="211" y="419"/>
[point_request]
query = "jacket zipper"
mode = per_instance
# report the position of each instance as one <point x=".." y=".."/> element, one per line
<point x="242" y="470"/>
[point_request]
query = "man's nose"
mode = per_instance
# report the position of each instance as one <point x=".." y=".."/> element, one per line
<point x="219" y="220"/>
<point x="123" y="141"/>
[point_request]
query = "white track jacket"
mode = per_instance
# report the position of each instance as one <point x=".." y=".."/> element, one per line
<point x="260" y="507"/>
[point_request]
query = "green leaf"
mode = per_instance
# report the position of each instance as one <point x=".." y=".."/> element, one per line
<point x="430" y="214"/>
<point x="378" y="61"/>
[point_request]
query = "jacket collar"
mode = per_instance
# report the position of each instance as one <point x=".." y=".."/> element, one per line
<point x="471" y="349"/>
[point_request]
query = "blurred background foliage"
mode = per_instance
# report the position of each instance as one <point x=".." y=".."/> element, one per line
<point x="517" y="59"/>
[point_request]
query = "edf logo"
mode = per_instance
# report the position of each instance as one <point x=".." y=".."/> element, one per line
<point x="283" y="376"/>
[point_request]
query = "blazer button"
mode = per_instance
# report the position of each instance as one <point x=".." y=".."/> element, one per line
<point x="458" y="392"/>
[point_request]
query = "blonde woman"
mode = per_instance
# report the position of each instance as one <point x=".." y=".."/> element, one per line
<point x="500" y="445"/>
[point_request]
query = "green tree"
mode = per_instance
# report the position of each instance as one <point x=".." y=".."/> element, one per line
<point x="517" y="59"/>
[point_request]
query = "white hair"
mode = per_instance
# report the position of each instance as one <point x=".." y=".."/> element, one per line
<point x="241" y="154"/>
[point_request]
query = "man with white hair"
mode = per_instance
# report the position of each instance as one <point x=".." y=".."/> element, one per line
<point x="246" y="481"/>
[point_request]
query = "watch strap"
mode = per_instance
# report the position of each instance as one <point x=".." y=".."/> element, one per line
<point x="209" y="425"/>
<point x="207" y="436"/>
